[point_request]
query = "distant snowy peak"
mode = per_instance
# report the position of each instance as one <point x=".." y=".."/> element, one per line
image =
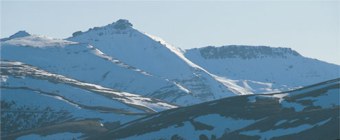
<point x="20" y="34"/>
<point x="118" y="27"/>
<point x="244" y="52"/>
<point x="17" y="35"/>
<point x="37" y="41"/>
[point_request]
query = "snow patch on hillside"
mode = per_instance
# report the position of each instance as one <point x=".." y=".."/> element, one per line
<point x="223" y="124"/>
<point x="327" y="100"/>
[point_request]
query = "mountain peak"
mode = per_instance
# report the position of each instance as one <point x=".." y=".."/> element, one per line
<point x="245" y="52"/>
<point x="121" y="24"/>
<point x="18" y="34"/>
<point x="21" y="33"/>
<point x="116" y="27"/>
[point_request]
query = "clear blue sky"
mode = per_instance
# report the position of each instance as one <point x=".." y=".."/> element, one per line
<point x="310" y="27"/>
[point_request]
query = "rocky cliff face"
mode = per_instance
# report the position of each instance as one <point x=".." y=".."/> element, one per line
<point x="245" y="52"/>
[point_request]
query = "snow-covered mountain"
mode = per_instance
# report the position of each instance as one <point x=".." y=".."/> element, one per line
<point x="91" y="83"/>
<point x="307" y="113"/>
<point x="154" y="56"/>
<point x="262" y="69"/>
<point x="123" y="58"/>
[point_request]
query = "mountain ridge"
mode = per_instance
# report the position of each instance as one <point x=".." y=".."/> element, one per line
<point x="263" y="69"/>
<point x="245" y="52"/>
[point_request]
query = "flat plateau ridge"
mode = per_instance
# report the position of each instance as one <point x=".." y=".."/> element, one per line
<point x="116" y="82"/>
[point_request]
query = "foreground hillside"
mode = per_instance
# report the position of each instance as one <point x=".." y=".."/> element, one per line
<point x="308" y="113"/>
<point x="32" y="98"/>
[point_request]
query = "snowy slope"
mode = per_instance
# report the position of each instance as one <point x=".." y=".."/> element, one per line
<point x="83" y="62"/>
<point x="154" y="56"/>
<point x="47" y="99"/>
<point x="263" y="69"/>
<point x="308" y="113"/>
